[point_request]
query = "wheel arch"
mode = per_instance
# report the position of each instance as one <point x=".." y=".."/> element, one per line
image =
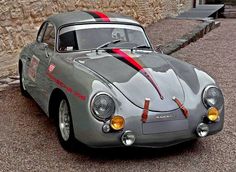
<point x="20" y="66"/>
<point x="54" y="101"/>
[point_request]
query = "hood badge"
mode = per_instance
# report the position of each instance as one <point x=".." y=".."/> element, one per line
<point x="164" y="116"/>
<point x="145" y="110"/>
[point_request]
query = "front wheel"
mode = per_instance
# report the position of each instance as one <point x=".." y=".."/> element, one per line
<point x="64" y="125"/>
<point x="22" y="82"/>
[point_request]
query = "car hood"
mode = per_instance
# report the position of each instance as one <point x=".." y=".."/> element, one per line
<point x="138" y="76"/>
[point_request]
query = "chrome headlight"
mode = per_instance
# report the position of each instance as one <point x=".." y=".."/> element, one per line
<point x="102" y="106"/>
<point x="213" y="97"/>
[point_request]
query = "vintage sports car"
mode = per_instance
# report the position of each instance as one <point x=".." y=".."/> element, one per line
<point x="99" y="77"/>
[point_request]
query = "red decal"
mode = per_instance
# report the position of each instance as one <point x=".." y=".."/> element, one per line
<point x="133" y="63"/>
<point x="67" y="88"/>
<point x="51" y="67"/>
<point x="77" y="94"/>
<point x="104" y="17"/>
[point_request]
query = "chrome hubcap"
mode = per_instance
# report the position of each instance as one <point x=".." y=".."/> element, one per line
<point x="64" y="120"/>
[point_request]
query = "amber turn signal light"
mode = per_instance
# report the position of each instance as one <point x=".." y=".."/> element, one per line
<point x="117" y="122"/>
<point x="213" y="114"/>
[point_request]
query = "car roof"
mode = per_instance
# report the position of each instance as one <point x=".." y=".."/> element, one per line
<point x="69" y="18"/>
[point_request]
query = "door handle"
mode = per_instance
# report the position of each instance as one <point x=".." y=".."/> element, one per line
<point x="46" y="53"/>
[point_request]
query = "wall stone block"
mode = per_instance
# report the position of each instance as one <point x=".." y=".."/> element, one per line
<point x="36" y="10"/>
<point x="3" y="30"/>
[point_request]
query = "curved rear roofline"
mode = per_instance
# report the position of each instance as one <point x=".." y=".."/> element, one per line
<point x="85" y="17"/>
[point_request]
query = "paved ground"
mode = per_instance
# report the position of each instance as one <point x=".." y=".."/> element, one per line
<point x="28" y="140"/>
<point x="168" y="30"/>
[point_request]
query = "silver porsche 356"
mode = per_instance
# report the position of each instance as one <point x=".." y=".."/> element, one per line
<point x="99" y="77"/>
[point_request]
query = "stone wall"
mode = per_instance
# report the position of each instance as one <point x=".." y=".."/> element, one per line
<point x="20" y="19"/>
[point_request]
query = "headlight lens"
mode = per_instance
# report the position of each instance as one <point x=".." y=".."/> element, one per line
<point x="102" y="106"/>
<point x="213" y="97"/>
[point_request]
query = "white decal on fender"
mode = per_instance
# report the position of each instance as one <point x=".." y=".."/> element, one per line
<point x="32" y="72"/>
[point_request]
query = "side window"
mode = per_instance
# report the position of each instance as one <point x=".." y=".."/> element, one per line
<point x="49" y="36"/>
<point x="68" y="41"/>
<point x="41" y="32"/>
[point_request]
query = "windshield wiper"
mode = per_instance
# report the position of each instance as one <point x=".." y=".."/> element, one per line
<point x="141" y="47"/>
<point x="108" y="43"/>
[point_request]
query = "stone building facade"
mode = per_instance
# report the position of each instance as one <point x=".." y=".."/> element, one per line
<point x="20" y="19"/>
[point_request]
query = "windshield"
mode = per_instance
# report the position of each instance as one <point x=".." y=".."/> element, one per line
<point x="92" y="36"/>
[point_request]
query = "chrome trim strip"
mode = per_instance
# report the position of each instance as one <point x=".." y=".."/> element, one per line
<point x="204" y="94"/>
<point x="98" y="26"/>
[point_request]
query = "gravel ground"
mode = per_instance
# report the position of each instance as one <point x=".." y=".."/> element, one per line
<point x="28" y="139"/>
<point x="168" y="30"/>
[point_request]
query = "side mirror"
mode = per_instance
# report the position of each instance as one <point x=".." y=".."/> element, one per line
<point x="160" y="48"/>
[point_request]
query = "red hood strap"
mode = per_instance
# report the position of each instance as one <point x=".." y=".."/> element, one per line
<point x="145" y="110"/>
<point x="182" y="107"/>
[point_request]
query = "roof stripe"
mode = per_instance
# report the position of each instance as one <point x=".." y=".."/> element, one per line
<point x="122" y="56"/>
<point x="98" y="16"/>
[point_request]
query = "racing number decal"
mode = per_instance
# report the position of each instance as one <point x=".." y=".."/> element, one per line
<point x="32" y="71"/>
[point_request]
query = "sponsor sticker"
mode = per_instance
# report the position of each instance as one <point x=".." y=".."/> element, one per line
<point x="32" y="71"/>
<point x="51" y="67"/>
<point x="61" y="84"/>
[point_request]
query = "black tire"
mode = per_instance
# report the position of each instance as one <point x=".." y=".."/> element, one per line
<point x="70" y="143"/>
<point x="22" y="89"/>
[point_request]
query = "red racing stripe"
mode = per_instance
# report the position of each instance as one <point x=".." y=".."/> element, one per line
<point x="148" y="75"/>
<point x="133" y="63"/>
<point x="102" y="16"/>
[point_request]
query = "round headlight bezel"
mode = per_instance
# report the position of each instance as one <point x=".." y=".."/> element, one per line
<point x="204" y="99"/>
<point x="95" y="113"/>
